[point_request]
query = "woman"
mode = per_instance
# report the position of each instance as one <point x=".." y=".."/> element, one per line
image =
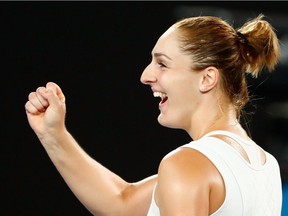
<point x="198" y="70"/>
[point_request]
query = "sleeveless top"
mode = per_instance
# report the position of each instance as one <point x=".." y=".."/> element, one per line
<point x="252" y="189"/>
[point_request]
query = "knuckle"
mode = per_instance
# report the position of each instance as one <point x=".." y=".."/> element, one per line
<point x="31" y="96"/>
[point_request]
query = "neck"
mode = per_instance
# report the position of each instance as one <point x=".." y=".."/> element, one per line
<point x="223" y="118"/>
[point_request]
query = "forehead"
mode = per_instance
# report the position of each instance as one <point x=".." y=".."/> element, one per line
<point x="169" y="45"/>
<point x="167" y="42"/>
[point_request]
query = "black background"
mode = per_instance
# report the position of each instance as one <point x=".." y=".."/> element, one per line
<point x="96" y="52"/>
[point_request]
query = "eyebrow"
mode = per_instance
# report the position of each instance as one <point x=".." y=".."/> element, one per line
<point x="161" y="54"/>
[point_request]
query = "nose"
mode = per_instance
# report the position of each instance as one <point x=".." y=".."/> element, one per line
<point x="148" y="76"/>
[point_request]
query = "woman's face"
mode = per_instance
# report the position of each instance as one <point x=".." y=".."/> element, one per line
<point x="170" y="77"/>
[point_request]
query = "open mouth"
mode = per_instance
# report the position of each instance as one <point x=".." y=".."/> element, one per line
<point x="162" y="95"/>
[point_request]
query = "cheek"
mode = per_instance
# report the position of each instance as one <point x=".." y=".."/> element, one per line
<point x="184" y="102"/>
<point x="185" y="91"/>
<point x="181" y="86"/>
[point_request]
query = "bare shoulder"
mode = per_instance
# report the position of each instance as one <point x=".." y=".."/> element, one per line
<point x="185" y="180"/>
<point x="186" y="165"/>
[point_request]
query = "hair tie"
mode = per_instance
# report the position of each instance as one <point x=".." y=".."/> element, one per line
<point x="242" y="38"/>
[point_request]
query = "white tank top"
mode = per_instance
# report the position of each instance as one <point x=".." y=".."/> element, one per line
<point x="252" y="189"/>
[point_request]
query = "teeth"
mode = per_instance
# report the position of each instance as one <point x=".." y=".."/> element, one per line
<point x="159" y="94"/>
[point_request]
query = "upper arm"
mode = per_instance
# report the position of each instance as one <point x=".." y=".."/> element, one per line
<point x="137" y="197"/>
<point x="184" y="184"/>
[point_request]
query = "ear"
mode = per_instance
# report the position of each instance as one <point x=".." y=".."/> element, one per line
<point x="209" y="79"/>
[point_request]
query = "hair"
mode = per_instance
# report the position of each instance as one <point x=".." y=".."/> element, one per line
<point x="211" y="41"/>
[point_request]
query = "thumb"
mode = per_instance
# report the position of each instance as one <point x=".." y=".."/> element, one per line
<point x="56" y="90"/>
<point x="53" y="94"/>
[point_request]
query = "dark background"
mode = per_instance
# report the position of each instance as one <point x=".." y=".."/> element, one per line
<point x="96" y="52"/>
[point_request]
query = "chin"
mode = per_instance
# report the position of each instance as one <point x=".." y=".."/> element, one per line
<point x="161" y="120"/>
<point x="166" y="123"/>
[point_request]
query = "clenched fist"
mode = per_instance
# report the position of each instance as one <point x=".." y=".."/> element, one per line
<point x="46" y="110"/>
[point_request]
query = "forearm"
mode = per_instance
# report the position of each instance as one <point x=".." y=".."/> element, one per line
<point x="94" y="185"/>
<point x="100" y="190"/>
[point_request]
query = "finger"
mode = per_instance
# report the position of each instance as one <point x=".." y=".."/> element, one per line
<point x="35" y="102"/>
<point x="30" y="108"/>
<point x="40" y="97"/>
<point x="53" y="94"/>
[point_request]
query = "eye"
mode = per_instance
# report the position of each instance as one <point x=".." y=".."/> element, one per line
<point x="161" y="65"/>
